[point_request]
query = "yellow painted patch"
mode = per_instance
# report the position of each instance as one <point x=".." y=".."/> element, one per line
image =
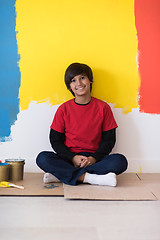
<point x="140" y="169"/>
<point x="53" y="34"/>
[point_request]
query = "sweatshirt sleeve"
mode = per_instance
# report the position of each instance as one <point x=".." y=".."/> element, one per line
<point x="57" y="142"/>
<point x="106" y="145"/>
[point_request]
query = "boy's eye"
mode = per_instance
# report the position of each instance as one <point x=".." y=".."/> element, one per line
<point x="83" y="77"/>
<point x="73" y="80"/>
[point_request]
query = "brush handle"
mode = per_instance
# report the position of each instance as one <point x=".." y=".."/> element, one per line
<point x="16" y="186"/>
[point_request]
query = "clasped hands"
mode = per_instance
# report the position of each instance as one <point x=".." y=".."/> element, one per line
<point x="83" y="161"/>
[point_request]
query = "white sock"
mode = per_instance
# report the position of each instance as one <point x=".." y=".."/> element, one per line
<point x="108" y="179"/>
<point x="48" y="178"/>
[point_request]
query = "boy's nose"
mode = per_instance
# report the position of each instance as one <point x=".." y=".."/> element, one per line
<point x="78" y="82"/>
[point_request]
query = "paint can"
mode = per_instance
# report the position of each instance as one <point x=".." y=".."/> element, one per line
<point x="16" y="169"/>
<point x="4" y="171"/>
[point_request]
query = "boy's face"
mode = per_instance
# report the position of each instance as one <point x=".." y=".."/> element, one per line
<point x="80" y="85"/>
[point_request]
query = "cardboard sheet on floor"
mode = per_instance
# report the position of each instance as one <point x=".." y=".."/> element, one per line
<point x="129" y="187"/>
<point x="34" y="186"/>
<point x="152" y="182"/>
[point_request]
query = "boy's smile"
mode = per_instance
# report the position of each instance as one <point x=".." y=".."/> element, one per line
<point x="80" y="85"/>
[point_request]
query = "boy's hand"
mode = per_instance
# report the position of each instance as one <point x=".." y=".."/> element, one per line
<point x="88" y="162"/>
<point x="78" y="160"/>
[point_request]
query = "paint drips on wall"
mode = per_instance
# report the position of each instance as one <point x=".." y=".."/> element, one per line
<point x="9" y="70"/>
<point x="147" y="20"/>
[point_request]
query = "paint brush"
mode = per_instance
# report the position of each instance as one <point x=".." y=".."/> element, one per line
<point x="8" y="184"/>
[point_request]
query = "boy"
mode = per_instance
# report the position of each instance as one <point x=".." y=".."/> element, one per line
<point x="83" y="133"/>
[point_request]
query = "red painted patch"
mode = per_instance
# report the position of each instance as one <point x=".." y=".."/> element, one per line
<point x="147" y="20"/>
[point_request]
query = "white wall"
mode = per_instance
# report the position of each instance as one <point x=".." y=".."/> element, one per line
<point x="137" y="137"/>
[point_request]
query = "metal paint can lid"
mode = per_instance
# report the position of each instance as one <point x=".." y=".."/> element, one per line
<point x="4" y="164"/>
<point x="14" y="160"/>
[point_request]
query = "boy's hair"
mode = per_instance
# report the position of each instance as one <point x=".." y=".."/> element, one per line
<point x="76" y="69"/>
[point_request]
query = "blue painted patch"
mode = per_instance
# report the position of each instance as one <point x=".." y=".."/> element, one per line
<point x="9" y="69"/>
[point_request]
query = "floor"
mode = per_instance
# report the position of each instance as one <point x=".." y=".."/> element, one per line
<point x="55" y="218"/>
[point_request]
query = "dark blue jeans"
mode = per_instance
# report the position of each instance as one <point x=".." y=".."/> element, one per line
<point x="67" y="173"/>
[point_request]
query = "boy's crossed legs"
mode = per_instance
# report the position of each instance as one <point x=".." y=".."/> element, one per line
<point x="101" y="173"/>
